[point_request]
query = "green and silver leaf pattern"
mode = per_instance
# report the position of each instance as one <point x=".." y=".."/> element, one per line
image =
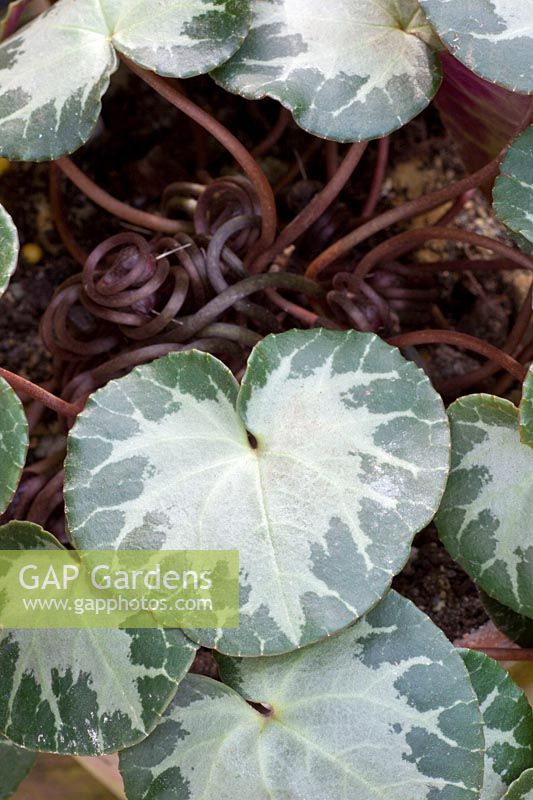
<point x="493" y="38"/>
<point x="84" y="692"/>
<point x="9" y="249"/>
<point x="485" y="516"/>
<point x="521" y="789"/>
<point x="513" y="190"/>
<point x="347" y="71"/>
<point x="15" y="763"/>
<point x="351" y="460"/>
<point x="526" y="410"/>
<point x="384" y="709"/>
<point x="54" y="71"/>
<point x="508" y="724"/>
<point x="515" y="626"/>
<point x="13" y="442"/>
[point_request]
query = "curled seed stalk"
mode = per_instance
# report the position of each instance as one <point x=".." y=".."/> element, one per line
<point x="227" y="139"/>
<point x="414" y="207"/>
<point x="409" y="240"/>
<point x="377" y="179"/>
<point x="60" y="219"/>
<point x="275" y="134"/>
<point x="414" y="338"/>
<point x="314" y="209"/>
<point x="190" y="325"/>
<point x="47" y="500"/>
<point x="519" y="330"/>
<point x="116" y="207"/>
<point x="506" y="653"/>
<point x="41" y="395"/>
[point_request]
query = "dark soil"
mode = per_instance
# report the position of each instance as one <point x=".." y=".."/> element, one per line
<point x="438" y="586"/>
<point x="141" y="146"/>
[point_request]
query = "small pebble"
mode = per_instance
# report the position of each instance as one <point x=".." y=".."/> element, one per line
<point x="32" y="253"/>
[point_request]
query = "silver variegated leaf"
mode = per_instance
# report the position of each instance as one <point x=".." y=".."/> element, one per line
<point x="346" y="71"/>
<point x="84" y="692"/>
<point x="508" y="724"/>
<point x="351" y="460"/>
<point x="516" y="627"/>
<point x="9" y="249"/>
<point x="384" y="709"/>
<point x="13" y="442"/>
<point x="522" y="788"/>
<point x="526" y="410"/>
<point x="15" y="763"/>
<point x="513" y="190"/>
<point x="485" y="517"/>
<point x="54" y="71"/>
<point x="493" y="38"/>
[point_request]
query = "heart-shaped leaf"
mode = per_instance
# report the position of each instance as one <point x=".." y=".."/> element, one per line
<point x="513" y="190"/>
<point x="485" y="516"/>
<point x="526" y="410"/>
<point x="54" y="71"/>
<point x="521" y="789"/>
<point x="351" y="459"/>
<point x="347" y="71"/>
<point x="515" y="626"/>
<point x="9" y="249"/>
<point x="493" y="38"/>
<point x="15" y="763"/>
<point x="84" y="692"/>
<point x="508" y="724"/>
<point x="385" y="709"/>
<point x="13" y="442"/>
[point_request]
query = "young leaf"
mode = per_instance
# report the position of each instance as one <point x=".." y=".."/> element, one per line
<point x="513" y="190"/>
<point x="480" y="116"/>
<point x="485" y="514"/>
<point x="54" y="71"/>
<point x="515" y="626"/>
<point x="526" y="410"/>
<point x="10" y="16"/>
<point x="13" y="442"/>
<point x="351" y="460"/>
<point x="347" y="72"/>
<point x="521" y="789"/>
<point x="494" y="39"/>
<point x="385" y="709"/>
<point x="9" y="249"/>
<point x="508" y="724"/>
<point x="15" y="763"/>
<point x="84" y="692"/>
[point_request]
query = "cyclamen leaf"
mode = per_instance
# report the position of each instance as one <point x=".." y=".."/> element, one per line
<point x="521" y="789"/>
<point x="515" y="626"/>
<point x="513" y="190"/>
<point x="485" y="517"/>
<point x="385" y="709"/>
<point x="493" y="38"/>
<point x="9" y="249"/>
<point x="508" y="724"/>
<point x="347" y="71"/>
<point x="13" y="442"/>
<point x="54" y="71"/>
<point x="352" y="458"/>
<point x="84" y="692"/>
<point x="526" y="410"/>
<point x="15" y="763"/>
